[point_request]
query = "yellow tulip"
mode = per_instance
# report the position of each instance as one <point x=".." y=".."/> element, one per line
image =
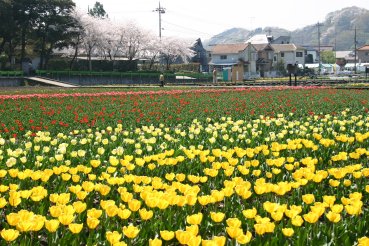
<point x="311" y="217"/>
<point x="113" y="237"/>
<point x="191" y="199"/>
<point x="260" y="229"/>
<point x="76" y="178"/>
<point x="66" y="219"/>
<point x="329" y="200"/>
<point x="277" y="216"/>
<point x="75" y="228"/>
<point x="187" y="238"/>
<point x="234" y="222"/>
<point x="347" y="182"/>
<point x="234" y="232"/>
<point x="308" y="198"/>
<point x="3" y="202"/>
<point x="94" y="213"/>
<point x="13" y="219"/>
<point x="194" y="219"/>
<point x="9" y="235"/>
<point x="112" y="210"/>
<point x="217" y="217"/>
<point x="244" y="238"/>
<point x="124" y="213"/>
<point x="353" y="209"/>
<point x="130" y="231"/>
<point x="219" y="240"/>
<point x="55" y="211"/>
<point x="333" y="217"/>
<point x="4" y="188"/>
<point x="146" y="214"/>
<point x="120" y="244"/>
<point x="194" y="241"/>
<point x="167" y="235"/>
<point x="193" y="229"/>
<point x="79" y="206"/>
<point x="95" y="163"/>
<point x="363" y="241"/>
<point x="104" y="189"/>
<point x="66" y="176"/>
<point x="249" y="213"/>
<point x="38" y="222"/>
<point x="24" y="225"/>
<point x="88" y="186"/>
<point x="208" y="243"/>
<point x="52" y="225"/>
<point x="38" y="193"/>
<point x="14" y="198"/>
<point x="288" y="232"/>
<point x="92" y="222"/>
<point x="337" y="208"/>
<point x="134" y="205"/>
<point x="155" y="242"/>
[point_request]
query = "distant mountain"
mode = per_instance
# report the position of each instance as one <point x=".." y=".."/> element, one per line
<point x="337" y="30"/>
<point x="234" y="35"/>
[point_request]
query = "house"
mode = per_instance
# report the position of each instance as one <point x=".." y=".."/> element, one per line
<point x="288" y="54"/>
<point x="344" y="57"/>
<point x="264" y="63"/>
<point x="259" y="39"/>
<point x="363" y="54"/>
<point x="238" y="60"/>
<point x="200" y="55"/>
<point x="281" y="40"/>
<point x="312" y="52"/>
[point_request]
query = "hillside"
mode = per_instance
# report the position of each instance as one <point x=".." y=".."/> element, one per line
<point x="337" y="30"/>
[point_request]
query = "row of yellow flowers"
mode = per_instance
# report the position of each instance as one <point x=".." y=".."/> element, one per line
<point x="209" y="183"/>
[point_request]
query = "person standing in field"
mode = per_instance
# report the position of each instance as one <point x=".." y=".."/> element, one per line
<point x="161" y="79"/>
<point x="215" y="73"/>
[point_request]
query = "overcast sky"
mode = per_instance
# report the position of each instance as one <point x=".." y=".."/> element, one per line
<point x="204" y="18"/>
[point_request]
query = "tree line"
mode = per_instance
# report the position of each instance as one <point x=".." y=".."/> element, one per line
<point x="41" y="28"/>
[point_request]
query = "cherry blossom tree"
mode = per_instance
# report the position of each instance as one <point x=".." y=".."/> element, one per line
<point x="109" y="39"/>
<point x="172" y="49"/>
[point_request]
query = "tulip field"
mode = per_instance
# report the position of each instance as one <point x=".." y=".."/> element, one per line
<point x="260" y="166"/>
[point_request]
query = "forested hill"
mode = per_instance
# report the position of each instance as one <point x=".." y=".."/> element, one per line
<point x="337" y="30"/>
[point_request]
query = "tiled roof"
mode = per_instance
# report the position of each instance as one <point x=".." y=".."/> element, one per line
<point x="258" y="39"/>
<point x="364" y="48"/>
<point x="229" y="48"/>
<point x="344" y="54"/>
<point x="260" y="47"/>
<point x="286" y="47"/>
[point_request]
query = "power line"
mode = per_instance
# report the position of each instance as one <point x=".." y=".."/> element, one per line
<point x="186" y="28"/>
<point x="196" y="17"/>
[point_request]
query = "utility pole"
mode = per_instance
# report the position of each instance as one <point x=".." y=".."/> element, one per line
<point x="355" y="42"/>
<point x="319" y="61"/>
<point x="160" y="10"/>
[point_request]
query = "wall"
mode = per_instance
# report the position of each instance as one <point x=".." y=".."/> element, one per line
<point x="231" y="58"/>
<point x="11" y="82"/>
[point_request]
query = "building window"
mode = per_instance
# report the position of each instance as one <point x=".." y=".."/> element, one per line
<point x="367" y="53"/>
<point x="282" y="54"/>
<point x="209" y="55"/>
<point x="298" y="54"/>
<point x="223" y="57"/>
<point x="275" y="58"/>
